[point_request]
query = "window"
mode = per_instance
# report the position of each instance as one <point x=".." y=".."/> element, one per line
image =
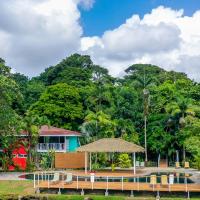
<point x="54" y="139"/>
<point x="41" y="139"/>
<point x="62" y="139"/>
<point x="22" y="156"/>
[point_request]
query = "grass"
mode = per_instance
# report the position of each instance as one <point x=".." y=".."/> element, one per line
<point x="11" y="190"/>
<point x="16" y="187"/>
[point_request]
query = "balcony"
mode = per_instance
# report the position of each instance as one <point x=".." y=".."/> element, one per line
<point x="58" y="147"/>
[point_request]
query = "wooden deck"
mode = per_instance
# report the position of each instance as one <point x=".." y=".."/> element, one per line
<point x="128" y="186"/>
<point x="118" y="180"/>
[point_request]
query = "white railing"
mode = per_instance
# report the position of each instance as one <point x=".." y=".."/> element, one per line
<point x="47" y="177"/>
<point x="49" y="146"/>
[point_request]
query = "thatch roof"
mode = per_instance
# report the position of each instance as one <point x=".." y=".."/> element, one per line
<point x="111" y="145"/>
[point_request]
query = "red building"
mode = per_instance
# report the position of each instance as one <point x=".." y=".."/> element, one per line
<point x="19" y="159"/>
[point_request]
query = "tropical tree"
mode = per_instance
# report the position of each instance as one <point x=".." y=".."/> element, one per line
<point x="9" y="131"/>
<point x="192" y="145"/>
<point x="9" y="119"/>
<point x="179" y="110"/>
<point x="98" y="125"/>
<point x="143" y="81"/>
<point x="4" y="70"/>
<point x="74" y="70"/>
<point x="124" y="161"/>
<point x="30" y="127"/>
<point x="61" y="104"/>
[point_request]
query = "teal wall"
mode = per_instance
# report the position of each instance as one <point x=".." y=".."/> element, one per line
<point x="73" y="143"/>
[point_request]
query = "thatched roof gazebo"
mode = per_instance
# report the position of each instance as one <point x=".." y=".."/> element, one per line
<point x="110" y="145"/>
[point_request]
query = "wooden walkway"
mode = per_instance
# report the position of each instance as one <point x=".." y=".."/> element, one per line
<point x="107" y="180"/>
<point x="128" y="186"/>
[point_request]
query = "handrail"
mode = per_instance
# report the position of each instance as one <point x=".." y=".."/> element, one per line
<point x="100" y="176"/>
<point x="122" y="183"/>
<point x="107" y="184"/>
<point x="34" y="180"/>
<point x="186" y="186"/>
<point x="77" y="182"/>
<point x="48" y="146"/>
<point x="138" y="186"/>
<point x="48" y="180"/>
<point x="39" y="177"/>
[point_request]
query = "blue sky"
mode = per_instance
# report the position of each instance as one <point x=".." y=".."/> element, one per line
<point x="107" y="30"/>
<point x="109" y="14"/>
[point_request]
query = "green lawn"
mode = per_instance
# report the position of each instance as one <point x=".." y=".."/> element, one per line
<point x="16" y="187"/>
<point x="11" y="190"/>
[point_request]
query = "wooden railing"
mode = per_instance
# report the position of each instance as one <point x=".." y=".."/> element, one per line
<point x="44" y="180"/>
<point x="50" y="146"/>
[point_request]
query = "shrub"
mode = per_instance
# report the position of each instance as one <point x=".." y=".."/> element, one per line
<point x="124" y="161"/>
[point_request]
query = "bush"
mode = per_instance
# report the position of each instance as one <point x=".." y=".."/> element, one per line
<point x="124" y="161"/>
<point x="95" y="166"/>
<point x="113" y="167"/>
<point x="47" y="160"/>
<point x="197" y="162"/>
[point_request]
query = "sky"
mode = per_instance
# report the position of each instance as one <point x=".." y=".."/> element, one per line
<point x="35" y="34"/>
<point x="109" y="14"/>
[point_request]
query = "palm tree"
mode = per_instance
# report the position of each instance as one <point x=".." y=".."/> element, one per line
<point x="97" y="125"/>
<point x="146" y="111"/>
<point x="184" y="109"/>
<point x="31" y="125"/>
<point x="178" y="111"/>
<point x="144" y="82"/>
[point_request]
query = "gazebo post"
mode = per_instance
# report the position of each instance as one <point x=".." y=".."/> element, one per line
<point x="85" y="162"/>
<point x="134" y="165"/>
<point x="90" y="161"/>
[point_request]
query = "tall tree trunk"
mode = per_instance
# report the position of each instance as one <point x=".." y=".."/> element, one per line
<point x="96" y="157"/>
<point x="183" y="153"/>
<point x="145" y="137"/>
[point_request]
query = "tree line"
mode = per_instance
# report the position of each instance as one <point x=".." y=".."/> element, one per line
<point x="149" y="106"/>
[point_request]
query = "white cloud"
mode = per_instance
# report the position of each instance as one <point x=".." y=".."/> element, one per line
<point x="36" y="34"/>
<point x="88" y="42"/>
<point x="164" y="37"/>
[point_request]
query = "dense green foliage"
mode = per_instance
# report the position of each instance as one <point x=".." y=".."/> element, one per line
<point x="9" y="119"/>
<point x="76" y="94"/>
<point x="124" y="161"/>
<point x="61" y="104"/>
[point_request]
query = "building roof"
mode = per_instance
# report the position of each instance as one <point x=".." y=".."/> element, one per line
<point x="111" y="145"/>
<point x="54" y="131"/>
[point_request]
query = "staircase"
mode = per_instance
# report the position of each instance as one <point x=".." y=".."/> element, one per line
<point x="163" y="163"/>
